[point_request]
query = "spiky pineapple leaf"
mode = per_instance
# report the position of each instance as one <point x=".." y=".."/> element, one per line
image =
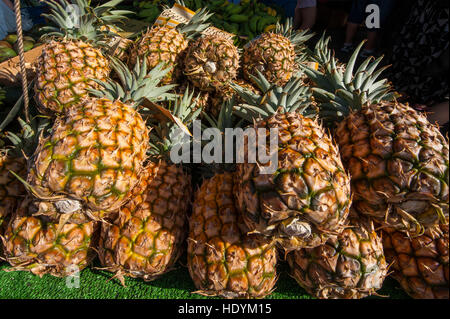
<point x="293" y="97"/>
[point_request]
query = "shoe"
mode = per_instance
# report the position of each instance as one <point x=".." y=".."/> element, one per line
<point x="366" y="53"/>
<point x="347" y="48"/>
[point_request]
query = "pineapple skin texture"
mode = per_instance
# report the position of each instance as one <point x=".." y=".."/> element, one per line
<point x="94" y="154"/>
<point x="420" y="264"/>
<point x="222" y="260"/>
<point x="399" y="166"/>
<point x="65" y="71"/>
<point x="12" y="190"/>
<point x="145" y="239"/>
<point x="32" y="243"/>
<point x="351" y="265"/>
<point x="310" y="185"/>
<point x="271" y="54"/>
<point x="161" y="44"/>
<point x="216" y="51"/>
<point x="118" y="46"/>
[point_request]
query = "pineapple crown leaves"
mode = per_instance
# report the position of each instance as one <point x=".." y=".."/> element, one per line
<point x="340" y="92"/>
<point x="168" y="124"/>
<point x="196" y="25"/>
<point x="70" y="24"/>
<point x="322" y="54"/>
<point x="136" y="85"/>
<point x="293" y="97"/>
<point x="225" y="119"/>
<point x="78" y="20"/>
<point x="106" y="14"/>
<point x="298" y="38"/>
<point x="27" y="140"/>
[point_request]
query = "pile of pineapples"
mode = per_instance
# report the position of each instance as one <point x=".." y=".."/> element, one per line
<point x="90" y="174"/>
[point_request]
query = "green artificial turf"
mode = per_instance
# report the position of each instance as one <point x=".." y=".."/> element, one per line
<point x="95" y="284"/>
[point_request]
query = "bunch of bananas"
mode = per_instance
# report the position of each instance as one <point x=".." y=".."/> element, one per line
<point x="148" y="10"/>
<point x="246" y="19"/>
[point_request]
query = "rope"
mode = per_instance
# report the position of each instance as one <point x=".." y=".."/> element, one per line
<point x="23" y="70"/>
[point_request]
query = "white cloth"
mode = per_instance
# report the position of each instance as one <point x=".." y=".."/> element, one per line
<point x="8" y="21"/>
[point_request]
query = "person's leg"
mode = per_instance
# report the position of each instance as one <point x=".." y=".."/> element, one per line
<point x="352" y="28"/>
<point x="371" y="41"/>
<point x="355" y="18"/>
<point x="308" y="17"/>
<point x="298" y="15"/>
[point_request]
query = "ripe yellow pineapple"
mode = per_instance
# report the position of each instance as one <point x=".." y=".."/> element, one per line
<point x="308" y="198"/>
<point x="348" y="266"/>
<point x="420" y="264"/>
<point x="398" y="161"/>
<point x="92" y="157"/>
<point x="144" y="240"/>
<point x="211" y="62"/>
<point x="274" y="54"/>
<point x="146" y="237"/>
<point x="222" y="259"/>
<point x="399" y="166"/>
<point x="163" y="43"/>
<point x="45" y="246"/>
<point x="65" y="72"/>
<point x="71" y="62"/>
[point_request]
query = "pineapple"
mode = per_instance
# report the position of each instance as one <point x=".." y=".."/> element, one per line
<point x="145" y="239"/>
<point x="350" y="266"/>
<point x="70" y="62"/>
<point x="307" y="199"/>
<point x="222" y="259"/>
<point x="92" y="158"/>
<point x="96" y="152"/>
<point x="163" y="43"/>
<point x="420" y="264"/>
<point x="274" y="54"/>
<point x="398" y="161"/>
<point x="211" y="63"/>
<point x="45" y="246"/>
